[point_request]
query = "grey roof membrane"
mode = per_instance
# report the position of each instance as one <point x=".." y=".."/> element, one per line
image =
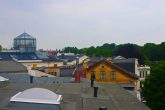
<point x="11" y="66"/>
<point x="76" y="96"/>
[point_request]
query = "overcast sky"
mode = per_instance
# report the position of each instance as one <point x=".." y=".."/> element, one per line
<point x="82" y="23"/>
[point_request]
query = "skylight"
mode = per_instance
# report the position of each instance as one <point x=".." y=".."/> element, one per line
<point x="37" y="95"/>
<point x="3" y="79"/>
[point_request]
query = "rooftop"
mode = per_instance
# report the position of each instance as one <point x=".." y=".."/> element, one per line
<point x="11" y="66"/>
<point x="70" y="58"/>
<point x="18" y="56"/>
<point x="78" y="96"/>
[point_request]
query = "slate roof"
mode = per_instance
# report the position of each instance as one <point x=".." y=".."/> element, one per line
<point x="77" y="96"/>
<point x="11" y="67"/>
<point x="127" y="64"/>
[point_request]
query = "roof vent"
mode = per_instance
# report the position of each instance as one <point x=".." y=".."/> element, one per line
<point x="95" y="91"/>
<point x="102" y="108"/>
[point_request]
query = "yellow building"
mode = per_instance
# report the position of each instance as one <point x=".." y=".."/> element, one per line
<point x="53" y="70"/>
<point x="106" y="71"/>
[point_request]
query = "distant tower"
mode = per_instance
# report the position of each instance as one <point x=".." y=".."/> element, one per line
<point x="25" y="43"/>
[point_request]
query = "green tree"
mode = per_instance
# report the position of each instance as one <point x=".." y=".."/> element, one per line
<point x="71" y="49"/>
<point x="129" y="51"/>
<point x="154" y="87"/>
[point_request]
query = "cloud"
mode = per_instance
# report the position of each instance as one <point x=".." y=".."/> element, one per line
<point x="82" y="23"/>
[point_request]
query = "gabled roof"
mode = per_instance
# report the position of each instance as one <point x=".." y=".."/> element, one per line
<point x="115" y="66"/>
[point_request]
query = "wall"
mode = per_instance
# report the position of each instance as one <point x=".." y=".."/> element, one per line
<point x="53" y="71"/>
<point x="120" y="76"/>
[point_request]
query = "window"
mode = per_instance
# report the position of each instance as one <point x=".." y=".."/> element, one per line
<point x="146" y="73"/>
<point x="55" y="73"/>
<point x="140" y="73"/>
<point x="102" y="73"/>
<point x="112" y="75"/>
<point x="143" y="74"/>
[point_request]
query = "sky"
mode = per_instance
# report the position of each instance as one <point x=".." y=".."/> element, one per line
<point x="82" y="23"/>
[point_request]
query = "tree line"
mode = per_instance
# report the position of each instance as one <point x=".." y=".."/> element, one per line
<point x="149" y="52"/>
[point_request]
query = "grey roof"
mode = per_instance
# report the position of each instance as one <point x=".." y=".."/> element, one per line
<point x="77" y="96"/>
<point x="70" y="58"/>
<point x="24" y="36"/>
<point x="127" y="64"/>
<point x="94" y="60"/>
<point x="25" y="78"/>
<point x="66" y="72"/>
<point x="129" y="60"/>
<point x="11" y="67"/>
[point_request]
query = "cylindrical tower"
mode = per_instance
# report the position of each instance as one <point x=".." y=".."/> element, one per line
<point x="25" y="43"/>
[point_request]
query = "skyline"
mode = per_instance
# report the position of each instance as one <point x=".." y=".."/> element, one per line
<point x="61" y="23"/>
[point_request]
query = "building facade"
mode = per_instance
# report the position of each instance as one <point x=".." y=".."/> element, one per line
<point x="106" y="71"/>
<point x="143" y="72"/>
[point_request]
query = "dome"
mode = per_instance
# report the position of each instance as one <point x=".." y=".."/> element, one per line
<point x="37" y="95"/>
<point x="25" y="43"/>
<point x="24" y="36"/>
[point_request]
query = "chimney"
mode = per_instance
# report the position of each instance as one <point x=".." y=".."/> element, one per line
<point x="77" y="61"/>
<point x="92" y="79"/>
<point x="92" y="83"/>
<point x="95" y="91"/>
<point x="55" y="65"/>
<point x="31" y="79"/>
<point x="103" y="108"/>
<point x="34" y="66"/>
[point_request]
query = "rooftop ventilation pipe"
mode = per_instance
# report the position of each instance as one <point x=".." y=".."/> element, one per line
<point x="103" y="108"/>
<point x="31" y="79"/>
<point x="92" y="79"/>
<point x="95" y="91"/>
